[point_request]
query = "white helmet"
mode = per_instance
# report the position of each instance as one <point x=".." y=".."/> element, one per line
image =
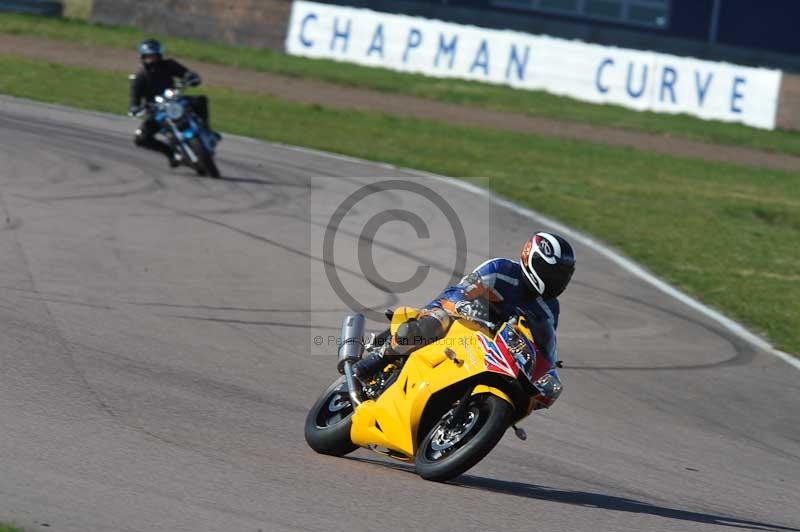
<point x="548" y="262"/>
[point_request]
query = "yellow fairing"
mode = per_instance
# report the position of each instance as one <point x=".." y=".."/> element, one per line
<point x="392" y="420"/>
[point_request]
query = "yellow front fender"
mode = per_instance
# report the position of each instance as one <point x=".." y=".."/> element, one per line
<point x="482" y="388"/>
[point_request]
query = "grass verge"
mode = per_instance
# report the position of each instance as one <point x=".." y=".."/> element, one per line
<point x="501" y="98"/>
<point x="727" y="234"/>
<point x="9" y="528"/>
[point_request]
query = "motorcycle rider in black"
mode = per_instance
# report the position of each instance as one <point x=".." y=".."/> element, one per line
<point x="157" y="75"/>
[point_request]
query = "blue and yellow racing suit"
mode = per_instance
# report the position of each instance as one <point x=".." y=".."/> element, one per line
<point x="496" y="287"/>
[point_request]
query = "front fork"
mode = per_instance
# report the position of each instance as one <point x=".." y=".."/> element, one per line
<point x="461" y="408"/>
<point x="185" y="148"/>
<point x="460" y="411"/>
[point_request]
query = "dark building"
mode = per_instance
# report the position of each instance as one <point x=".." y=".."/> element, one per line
<point x="750" y="32"/>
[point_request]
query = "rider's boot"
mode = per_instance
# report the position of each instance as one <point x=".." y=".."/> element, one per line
<point x="175" y="159"/>
<point x="151" y="143"/>
<point x="369" y="366"/>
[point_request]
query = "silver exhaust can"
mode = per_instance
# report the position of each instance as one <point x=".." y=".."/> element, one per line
<point x="351" y="345"/>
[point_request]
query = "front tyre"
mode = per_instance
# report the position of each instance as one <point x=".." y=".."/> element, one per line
<point x="211" y="166"/>
<point x="328" y="422"/>
<point x="453" y="446"/>
<point x="205" y="160"/>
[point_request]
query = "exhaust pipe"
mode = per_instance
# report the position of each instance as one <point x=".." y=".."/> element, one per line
<point x="350" y="351"/>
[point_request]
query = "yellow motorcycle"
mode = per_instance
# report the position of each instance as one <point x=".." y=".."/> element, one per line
<point x="448" y="404"/>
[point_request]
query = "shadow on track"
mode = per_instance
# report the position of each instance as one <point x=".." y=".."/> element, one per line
<point x="588" y="499"/>
<point x="608" y="502"/>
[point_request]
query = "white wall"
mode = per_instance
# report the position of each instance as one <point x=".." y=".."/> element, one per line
<point x="601" y="74"/>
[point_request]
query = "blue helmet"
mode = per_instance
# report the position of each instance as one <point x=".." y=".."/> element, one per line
<point x="150" y="47"/>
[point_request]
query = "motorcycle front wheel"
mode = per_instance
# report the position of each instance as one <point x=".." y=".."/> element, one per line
<point x="328" y="422"/>
<point x="205" y="160"/>
<point x="453" y="446"/>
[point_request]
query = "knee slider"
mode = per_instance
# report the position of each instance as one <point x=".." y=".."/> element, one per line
<point x="429" y="327"/>
<point x="406" y="333"/>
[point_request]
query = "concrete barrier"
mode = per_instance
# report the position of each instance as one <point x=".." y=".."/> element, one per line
<point x="789" y="103"/>
<point x="80" y="9"/>
<point x="259" y="23"/>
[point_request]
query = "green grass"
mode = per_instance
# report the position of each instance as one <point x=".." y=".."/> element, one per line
<point x="9" y="528"/>
<point x="534" y="103"/>
<point x="727" y="234"/>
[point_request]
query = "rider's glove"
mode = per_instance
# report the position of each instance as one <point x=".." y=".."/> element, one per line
<point x="476" y="308"/>
<point x="192" y="79"/>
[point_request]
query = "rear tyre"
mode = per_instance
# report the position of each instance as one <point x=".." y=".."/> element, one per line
<point x="328" y="422"/>
<point x="450" y="448"/>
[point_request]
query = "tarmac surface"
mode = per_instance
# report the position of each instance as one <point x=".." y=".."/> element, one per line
<point x="158" y="357"/>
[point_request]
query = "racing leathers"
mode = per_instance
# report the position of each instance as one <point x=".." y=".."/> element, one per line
<point x="492" y="292"/>
<point x="151" y="81"/>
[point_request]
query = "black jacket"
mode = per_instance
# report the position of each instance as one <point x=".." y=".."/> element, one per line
<point x="146" y="84"/>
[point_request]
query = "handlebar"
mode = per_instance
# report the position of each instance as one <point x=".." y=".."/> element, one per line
<point x="191" y="79"/>
<point x="143" y="110"/>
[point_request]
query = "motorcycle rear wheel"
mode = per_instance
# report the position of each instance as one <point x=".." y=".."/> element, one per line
<point x="328" y="422"/>
<point x="452" y="447"/>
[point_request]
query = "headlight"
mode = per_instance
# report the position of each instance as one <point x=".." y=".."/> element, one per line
<point x="174" y="110"/>
<point x="519" y="348"/>
<point x="549" y="386"/>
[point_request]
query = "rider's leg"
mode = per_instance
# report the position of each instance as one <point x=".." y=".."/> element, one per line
<point x="426" y="329"/>
<point x="146" y="138"/>
<point x="200" y="106"/>
<point x="413" y="334"/>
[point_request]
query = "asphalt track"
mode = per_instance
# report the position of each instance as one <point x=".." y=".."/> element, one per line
<point x="157" y="362"/>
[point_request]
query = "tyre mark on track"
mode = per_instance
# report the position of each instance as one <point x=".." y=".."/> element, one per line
<point x="257" y="322"/>
<point x="285" y="247"/>
<point x="744" y="353"/>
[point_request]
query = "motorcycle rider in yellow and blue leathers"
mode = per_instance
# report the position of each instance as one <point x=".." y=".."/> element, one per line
<point x="495" y="291"/>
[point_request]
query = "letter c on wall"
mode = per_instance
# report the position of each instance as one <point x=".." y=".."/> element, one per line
<point x="305" y="42"/>
<point x="600" y="87"/>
